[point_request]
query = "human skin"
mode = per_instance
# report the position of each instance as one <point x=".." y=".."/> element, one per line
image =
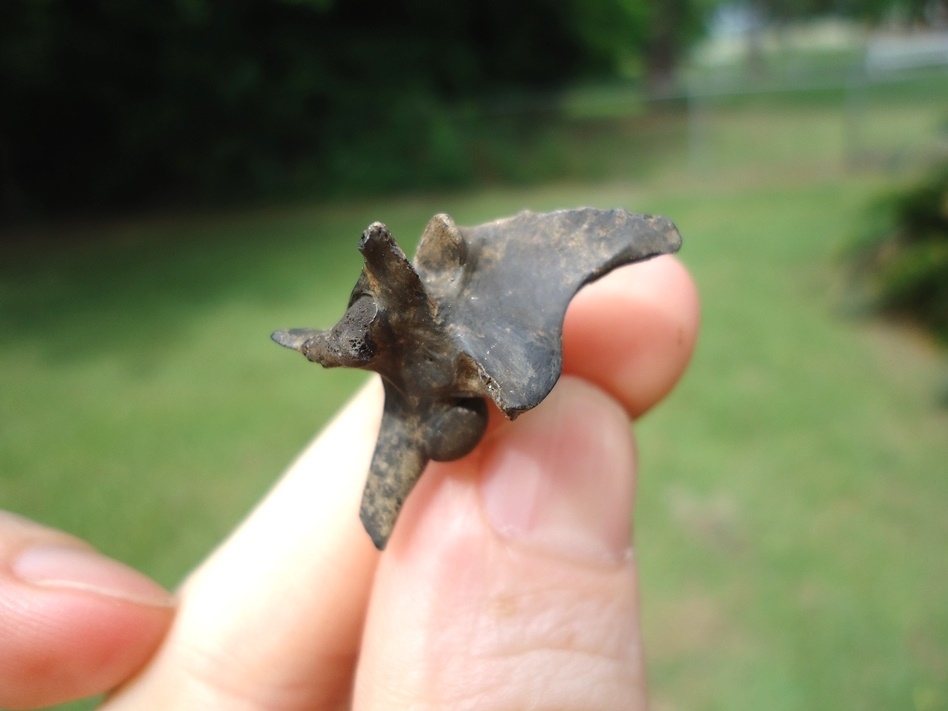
<point x="509" y="582"/>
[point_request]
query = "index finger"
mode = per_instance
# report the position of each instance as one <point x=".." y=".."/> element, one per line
<point x="273" y="618"/>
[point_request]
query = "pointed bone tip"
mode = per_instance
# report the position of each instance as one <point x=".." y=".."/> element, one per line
<point x="379" y="540"/>
<point x="280" y="337"/>
<point x="670" y="235"/>
<point x="293" y="338"/>
<point x="377" y="530"/>
<point x="375" y="233"/>
<point x="441" y="219"/>
<point x="673" y="239"/>
<point x="442" y="247"/>
<point x="440" y="228"/>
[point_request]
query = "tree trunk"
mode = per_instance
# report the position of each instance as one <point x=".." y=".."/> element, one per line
<point x="663" y="47"/>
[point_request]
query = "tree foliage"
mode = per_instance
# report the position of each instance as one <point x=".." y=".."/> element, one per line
<point x="118" y="102"/>
<point x="871" y="10"/>
<point x="903" y="260"/>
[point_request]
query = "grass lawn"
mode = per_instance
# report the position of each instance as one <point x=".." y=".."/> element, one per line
<point x="791" y="520"/>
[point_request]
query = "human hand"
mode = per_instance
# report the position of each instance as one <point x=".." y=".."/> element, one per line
<point x="508" y="582"/>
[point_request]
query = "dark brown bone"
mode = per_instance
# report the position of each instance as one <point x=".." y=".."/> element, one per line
<point x="479" y="315"/>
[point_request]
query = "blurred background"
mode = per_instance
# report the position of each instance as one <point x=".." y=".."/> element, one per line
<point x="179" y="179"/>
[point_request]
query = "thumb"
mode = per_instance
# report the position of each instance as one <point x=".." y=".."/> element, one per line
<point x="511" y="582"/>
<point x="73" y="623"/>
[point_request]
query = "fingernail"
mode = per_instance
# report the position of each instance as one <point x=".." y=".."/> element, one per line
<point x="57" y="566"/>
<point x="560" y="478"/>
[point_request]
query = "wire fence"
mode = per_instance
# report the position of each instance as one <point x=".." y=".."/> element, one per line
<point x="883" y="104"/>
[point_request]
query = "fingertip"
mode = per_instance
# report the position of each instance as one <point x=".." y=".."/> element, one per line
<point x="633" y="332"/>
<point x="562" y="479"/>
<point x="60" y="645"/>
<point x="77" y="567"/>
<point x="74" y="623"/>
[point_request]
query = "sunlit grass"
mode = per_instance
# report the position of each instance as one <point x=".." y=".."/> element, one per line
<point x="791" y="534"/>
<point x="790" y="524"/>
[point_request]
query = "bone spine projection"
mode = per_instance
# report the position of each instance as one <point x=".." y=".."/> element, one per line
<point x="479" y="314"/>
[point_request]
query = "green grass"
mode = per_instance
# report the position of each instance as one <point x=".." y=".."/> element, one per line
<point x="792" y="531"/>
<point x="791" y="518"/>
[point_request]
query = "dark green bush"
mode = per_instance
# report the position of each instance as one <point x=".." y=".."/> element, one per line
<point x="119" y="104"/>
<point x="903" y="259"/>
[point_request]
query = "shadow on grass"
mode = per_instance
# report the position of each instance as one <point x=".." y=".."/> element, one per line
<point x="136" y="290"/>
